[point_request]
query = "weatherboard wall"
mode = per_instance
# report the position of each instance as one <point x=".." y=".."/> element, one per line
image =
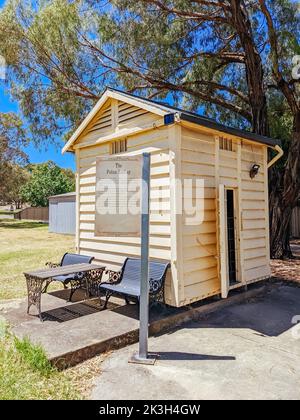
<point x="199" y="242"/>
<point x="202" y="158"/>
<point x="112" y="251"/>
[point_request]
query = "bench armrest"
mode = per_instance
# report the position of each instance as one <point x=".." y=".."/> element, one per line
<point x="113" y="276"/>
<point x="52" y="264"/>
<point x="155" y="285"/>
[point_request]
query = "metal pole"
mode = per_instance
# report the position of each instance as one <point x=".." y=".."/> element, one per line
<point x="142" y="356"/>
<point x="144" y="299"/>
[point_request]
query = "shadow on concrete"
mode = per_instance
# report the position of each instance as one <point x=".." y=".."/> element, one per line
<point x="67" y="313"/>
<point x="131" y="310"/>
<point x="64" y="294"/>
<point x="77" y="309"/>
<point x="270" y="315"/>
<point x="177" y="355"/>
<point x="156" y="311"/>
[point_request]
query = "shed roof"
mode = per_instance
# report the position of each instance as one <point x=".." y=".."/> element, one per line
<point x="69" y="194"/>
<point x="165" y="109"/>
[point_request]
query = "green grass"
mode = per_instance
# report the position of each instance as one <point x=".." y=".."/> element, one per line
<point x="26" y="374"/>
<point x="24" y="246"/>
<point x="34" y="356"/>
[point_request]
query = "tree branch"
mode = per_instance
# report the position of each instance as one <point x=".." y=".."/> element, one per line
<point x="187" y="14"/>
<point x="283" y="85"/>
<point x="159" y="84"/>
<point x="218" y="86"/>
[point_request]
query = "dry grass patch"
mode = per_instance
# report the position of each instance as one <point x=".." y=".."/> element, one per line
<point x="24" y="246"/>
<point x="83" y="375"/>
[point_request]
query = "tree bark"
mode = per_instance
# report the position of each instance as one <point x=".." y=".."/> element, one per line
<point x="253" y="67"/>
<point x="280" y="217"/>
<point x="284" y="194"/>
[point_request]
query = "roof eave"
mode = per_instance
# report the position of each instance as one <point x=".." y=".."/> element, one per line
<point x="228" y="130"/>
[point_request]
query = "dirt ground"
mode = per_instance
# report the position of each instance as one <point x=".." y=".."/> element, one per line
<point x="288" y="270"/>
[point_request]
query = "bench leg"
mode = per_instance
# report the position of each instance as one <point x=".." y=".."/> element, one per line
<point x="48" y="282"/>
<point x="107" y="297"/>
<point x="73" y="290"/>
<point x="34" y="288"/>
<point x="75" y="285"/>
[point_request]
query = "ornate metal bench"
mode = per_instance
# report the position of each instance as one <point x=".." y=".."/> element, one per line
<point x="127" y="281"/>
<point x="76" y="280"/>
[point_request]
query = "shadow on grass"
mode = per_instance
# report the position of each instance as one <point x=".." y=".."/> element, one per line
<point x="16" y="224"/>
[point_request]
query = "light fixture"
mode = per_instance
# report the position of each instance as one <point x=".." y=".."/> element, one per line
<point x="254" y="170"/>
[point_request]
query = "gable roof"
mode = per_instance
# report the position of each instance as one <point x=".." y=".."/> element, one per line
<point x="163" y="109"/>
<point x="69" y="194"/>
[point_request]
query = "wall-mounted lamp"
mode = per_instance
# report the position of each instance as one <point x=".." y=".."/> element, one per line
<point x="254" y="170"/>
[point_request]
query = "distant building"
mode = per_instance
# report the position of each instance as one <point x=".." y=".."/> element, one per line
<point x="62" y="213"/>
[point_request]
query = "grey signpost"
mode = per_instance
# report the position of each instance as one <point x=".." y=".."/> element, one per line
<point x="143" y="356"/>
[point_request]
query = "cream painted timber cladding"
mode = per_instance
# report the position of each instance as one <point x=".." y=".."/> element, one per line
<point x="203" y="159"/>
<point x="200" y="253"/>
<point x="174" y="290"/>
<point x="77" y="180"/>
<point x="178" y="151"/>
<point x="255" y="220"/>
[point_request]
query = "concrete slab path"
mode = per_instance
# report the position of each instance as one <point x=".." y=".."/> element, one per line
<point x="247" y="350"/>
<point x="76" y="331"/>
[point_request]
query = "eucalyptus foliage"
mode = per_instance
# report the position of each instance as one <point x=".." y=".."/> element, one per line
<point x="46" y="179"/>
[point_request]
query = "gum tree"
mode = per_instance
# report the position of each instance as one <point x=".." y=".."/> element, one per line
<point x="231" y="59"/>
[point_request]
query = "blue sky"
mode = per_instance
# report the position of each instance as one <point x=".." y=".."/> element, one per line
<point x="46" y="153"/>
<point x="36" y="156"/>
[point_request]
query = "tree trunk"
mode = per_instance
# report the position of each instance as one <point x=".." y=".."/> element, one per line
<point x="18" y="205"/>
<point x="284" y="189"/>
<point x="280" y="217"/>
<point x="253" y="67"/>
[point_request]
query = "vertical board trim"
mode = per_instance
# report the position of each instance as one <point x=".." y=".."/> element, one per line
<point x="266" y="181"/>
<point x="114" y="114"/>
<point x="223" y="247"/>
<point x="77" y="205"/>
<point x="217" y="181"/>
<point x="174" y="134"/>
<point x="240" y="214"/>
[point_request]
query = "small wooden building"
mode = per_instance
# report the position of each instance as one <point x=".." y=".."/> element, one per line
<point x="62" y="213"/>
<point x="230" y="247"/>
